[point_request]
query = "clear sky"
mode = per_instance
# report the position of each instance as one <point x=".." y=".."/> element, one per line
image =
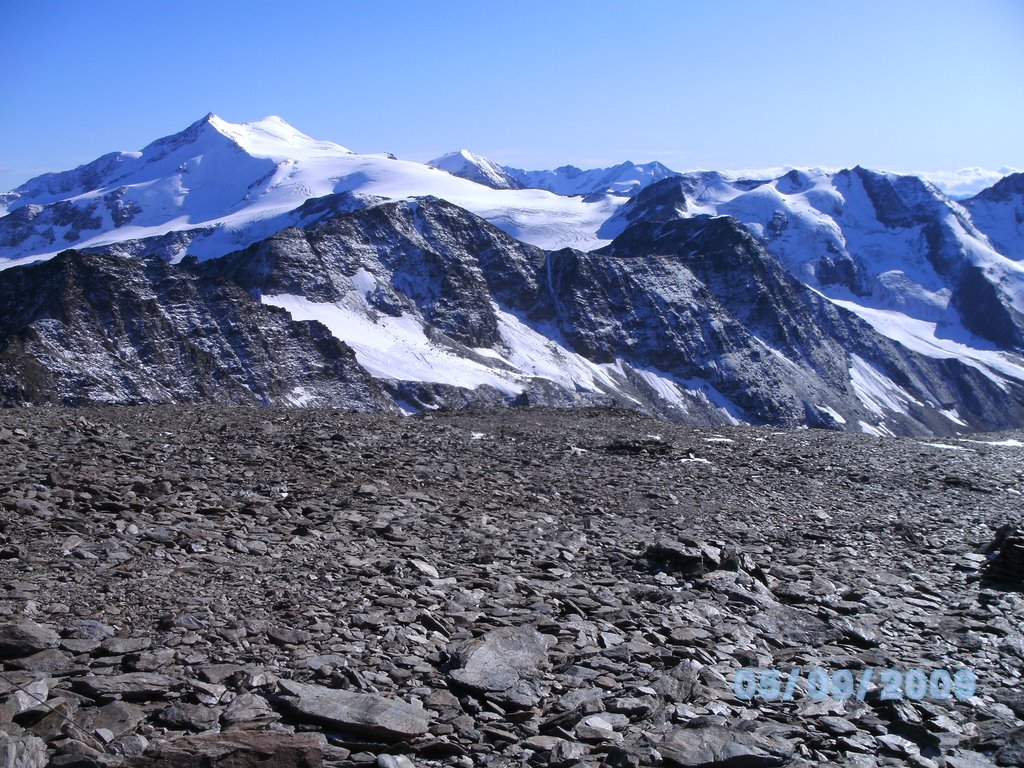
<point x="897" y="84"/>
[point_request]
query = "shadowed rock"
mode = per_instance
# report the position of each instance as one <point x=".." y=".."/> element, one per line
<point x="23" y="638"/>
<point x="238" y="749"/>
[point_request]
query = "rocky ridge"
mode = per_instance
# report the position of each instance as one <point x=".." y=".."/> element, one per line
<point x="689" y="319"/>
<point x="282" y="588"/>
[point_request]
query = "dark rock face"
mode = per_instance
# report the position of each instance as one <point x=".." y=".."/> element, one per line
<point x="87" y="328"/>
<point x="278" y="587"/>
<point x="429" y="256"/>
<point x="696" y="299"/>
<point x="1006" y="566"/>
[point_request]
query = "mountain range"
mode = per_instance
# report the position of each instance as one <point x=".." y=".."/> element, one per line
<point x="254" y="264"/>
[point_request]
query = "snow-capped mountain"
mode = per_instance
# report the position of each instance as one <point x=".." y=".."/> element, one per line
<point x="850" y="299"/>
<point x="624" y="179"/>
<point x="688" y="318"/>
<point x="217" y="186"/>
<point x="467" y="165"/>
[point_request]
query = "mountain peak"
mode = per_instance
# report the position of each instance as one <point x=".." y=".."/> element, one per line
<point x="272" y="138"/>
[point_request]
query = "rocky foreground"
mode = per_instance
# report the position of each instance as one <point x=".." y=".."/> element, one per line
<point x="286" y="588"/>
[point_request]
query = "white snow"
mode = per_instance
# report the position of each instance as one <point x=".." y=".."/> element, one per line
<point x="394" y="347"/>
<point x="1008" y="443"/>
<point x="300" y="397"/>
<point x="879" y="430"/>
<point x="953" y="415"/>
<point x="956" y="184"/>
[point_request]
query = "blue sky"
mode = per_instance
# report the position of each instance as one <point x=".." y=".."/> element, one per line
<point x="904" y="85"/>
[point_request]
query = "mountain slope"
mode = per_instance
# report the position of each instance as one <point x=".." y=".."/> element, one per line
<point x="691" y="318"/>
<point x="998" y="212"/>
<point x="853" y="299"/>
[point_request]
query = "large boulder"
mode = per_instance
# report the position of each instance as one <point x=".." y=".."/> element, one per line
<point x="718" y="747"/>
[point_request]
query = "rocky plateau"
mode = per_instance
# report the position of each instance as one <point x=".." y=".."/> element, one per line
<point x="294" y="588"/>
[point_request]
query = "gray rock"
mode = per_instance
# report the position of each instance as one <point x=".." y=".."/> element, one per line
<point x="116" y="717"/>
<point x="1012" y="752"/>
<point x="248" y="710"/>
<point x="22" y="751"/>
<point x="189" y="717"/>
<point x="142" y="686"/>
<point x="361" y="713"/>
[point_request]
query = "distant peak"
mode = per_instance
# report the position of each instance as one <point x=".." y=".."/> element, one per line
<point x="460" y="155"/>
<point x="474" y="167"/>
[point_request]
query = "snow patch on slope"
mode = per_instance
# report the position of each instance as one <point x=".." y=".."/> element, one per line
<point x="877" y="391"/>
<point x="922" y="336"/>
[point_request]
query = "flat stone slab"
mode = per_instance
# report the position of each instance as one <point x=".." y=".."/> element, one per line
<point x="238" y="749"/>
<point x="717" y="747"/>
<point x="141" y="686"/>
<point x="25" y="637"/>
<point x="365" y="713"/>
<point x="504" y="662"/>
